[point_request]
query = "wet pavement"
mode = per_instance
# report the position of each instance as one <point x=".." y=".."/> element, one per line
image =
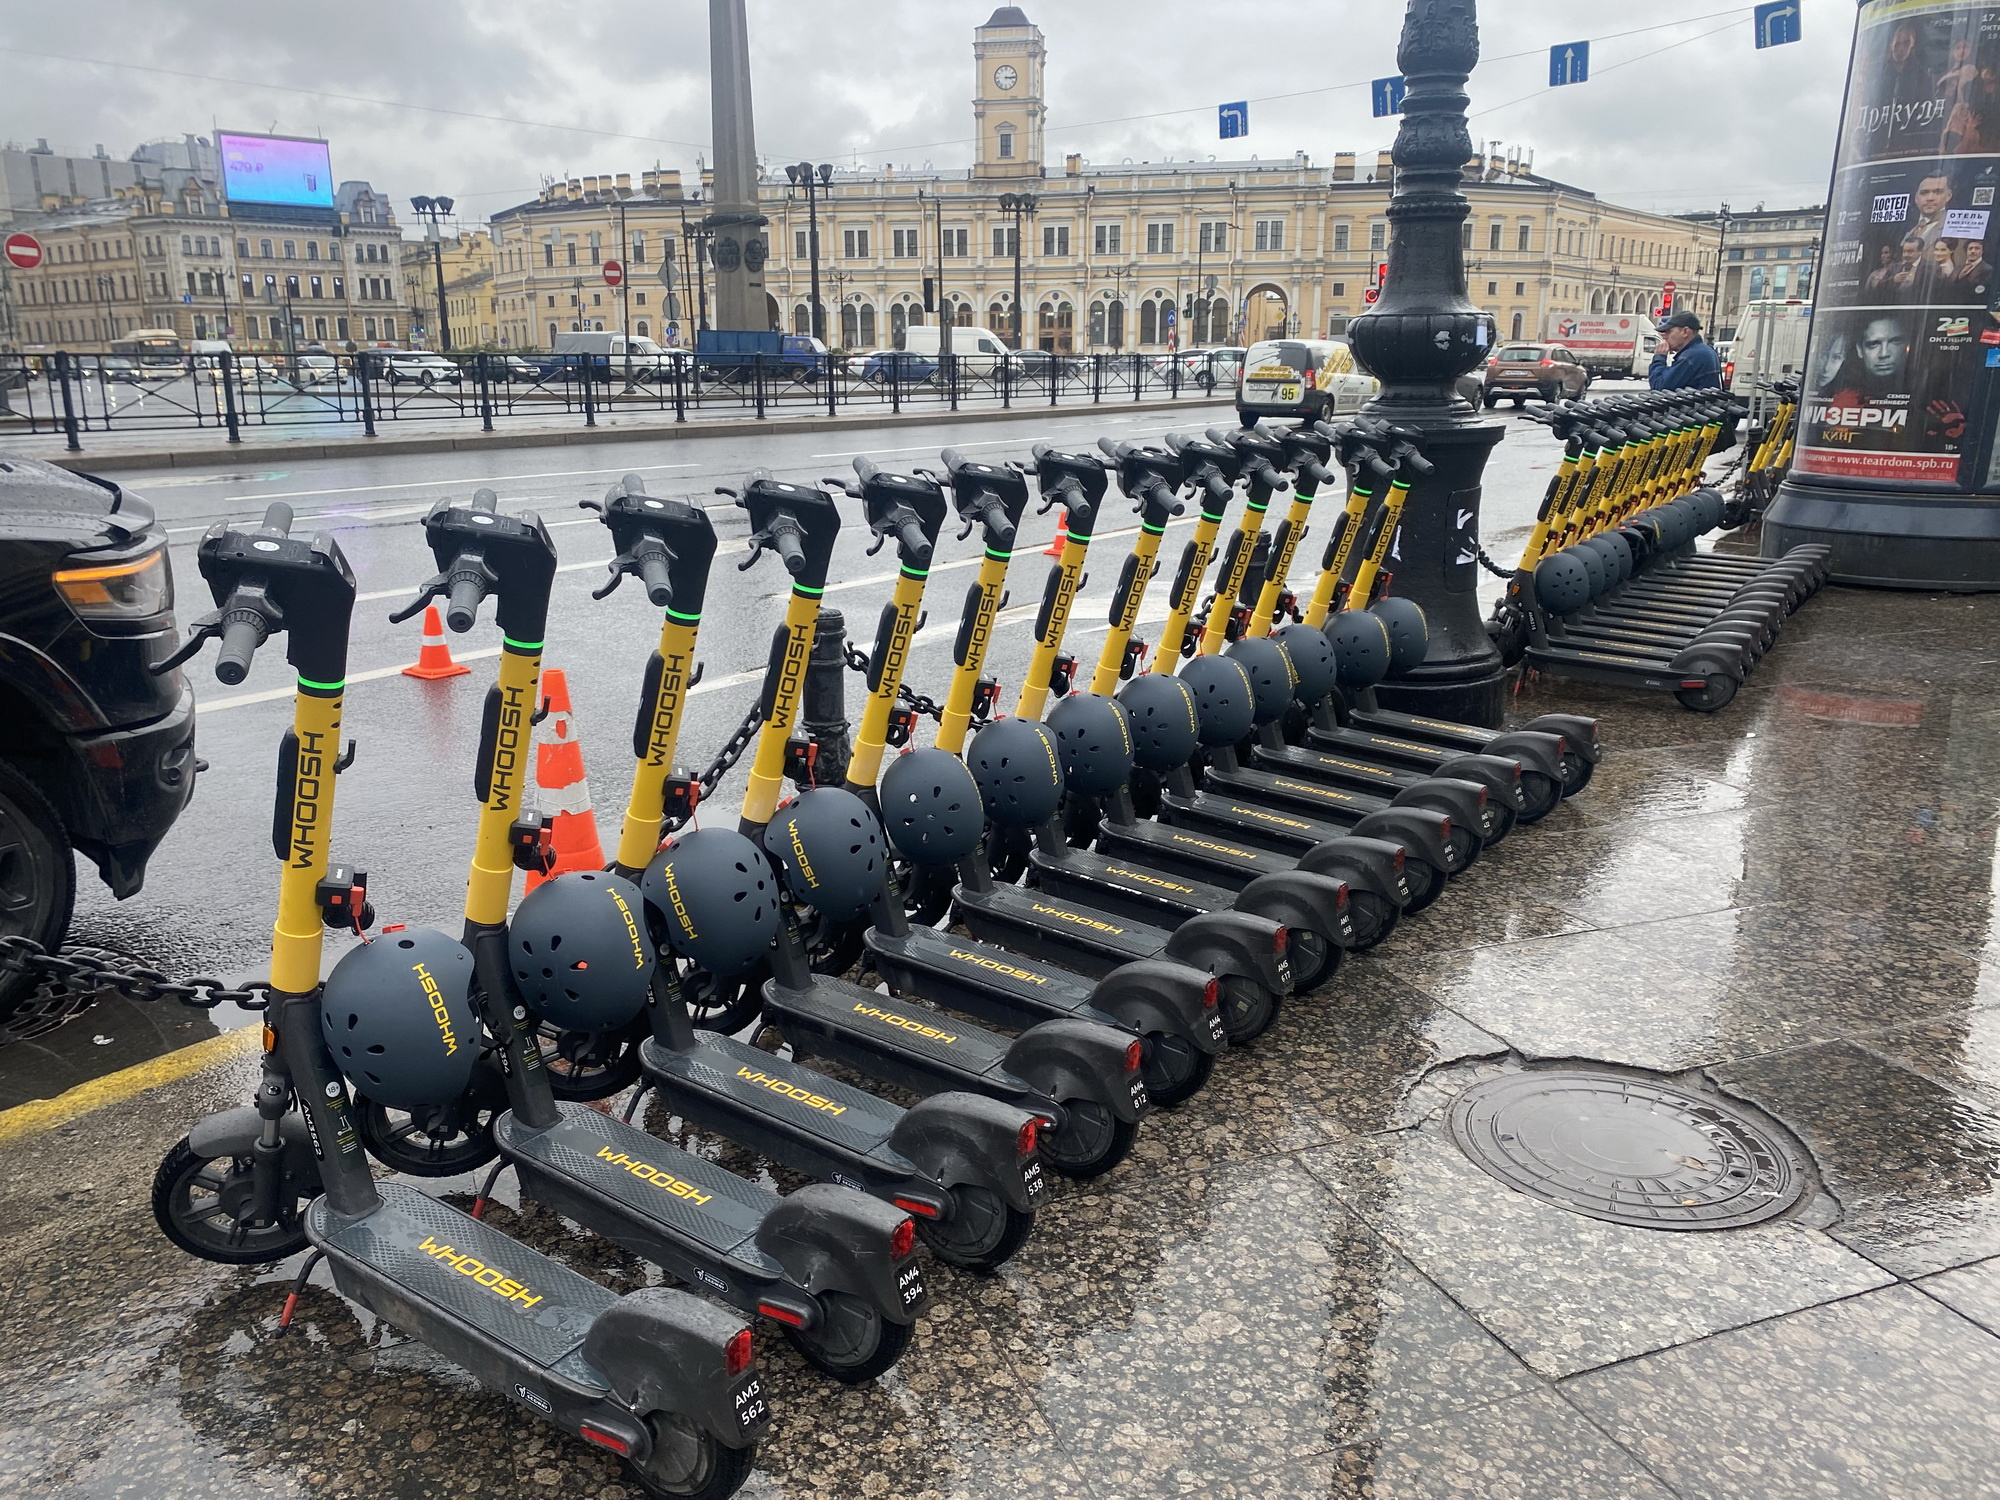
<point x="1297" y="1286"/>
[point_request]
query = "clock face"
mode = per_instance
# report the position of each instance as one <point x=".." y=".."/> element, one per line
<point x="1004" y="76"/>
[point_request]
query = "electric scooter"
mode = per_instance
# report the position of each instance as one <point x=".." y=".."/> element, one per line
<point x="832" y="1267"/>
<point x="657" y="1377"/>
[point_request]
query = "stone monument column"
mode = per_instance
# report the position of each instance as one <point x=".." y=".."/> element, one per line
<point x="739" y="248"/>
<point x="1417" y="340"/>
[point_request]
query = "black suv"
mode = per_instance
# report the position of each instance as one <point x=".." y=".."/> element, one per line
<point x="98" y="753"/>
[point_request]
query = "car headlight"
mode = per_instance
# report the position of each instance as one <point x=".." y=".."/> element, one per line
<point x="128" y="590"/>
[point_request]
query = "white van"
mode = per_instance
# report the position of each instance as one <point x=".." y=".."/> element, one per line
<point x="1310" y="378"/>
<point x="978" y="350"/>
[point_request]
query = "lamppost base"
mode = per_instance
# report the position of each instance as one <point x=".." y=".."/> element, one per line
<point x="1898" y="541"/>
<point x="1459" y="693"/>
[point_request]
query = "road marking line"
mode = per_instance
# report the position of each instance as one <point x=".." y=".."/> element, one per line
<point x="243" y="700"/>
<point x="40" y="1115"/>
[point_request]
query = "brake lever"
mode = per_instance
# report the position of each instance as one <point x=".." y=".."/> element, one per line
<point x="200" y="633"/>
<point x="438" y="584"/>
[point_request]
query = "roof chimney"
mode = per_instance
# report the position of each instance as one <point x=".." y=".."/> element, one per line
<point x="1073" y="164"/>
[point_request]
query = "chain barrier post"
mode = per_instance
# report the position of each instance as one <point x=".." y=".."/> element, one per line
<point x="69" y="406"/>
<point x="824" y="711"/>
<point x="483" y="376"/>
<point x="362" y="362"/>
<point x="587" y="369"/>
<point x="227" y="369"/>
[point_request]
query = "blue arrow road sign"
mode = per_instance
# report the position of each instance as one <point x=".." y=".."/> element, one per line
<point x="1388" y="94"/>
<point x="1235" y="119"/>
<point x="1777" y="23"/>
<point x="1569" y="62"/>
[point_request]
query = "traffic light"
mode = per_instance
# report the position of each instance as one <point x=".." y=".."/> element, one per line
<point x="930" y="294"/>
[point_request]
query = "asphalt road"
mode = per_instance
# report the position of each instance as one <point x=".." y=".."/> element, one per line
<point x="406" y="810"/>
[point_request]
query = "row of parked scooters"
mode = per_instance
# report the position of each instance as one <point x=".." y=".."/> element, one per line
<point x="1610" y="587"/>
<point x="1045" y="925"/>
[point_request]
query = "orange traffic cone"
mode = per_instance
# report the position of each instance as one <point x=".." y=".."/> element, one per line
<point x="562" y="791"/>
<point x="1055" y="548"/>
<point x="434" y="661"/>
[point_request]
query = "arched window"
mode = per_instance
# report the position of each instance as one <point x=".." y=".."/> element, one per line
<point x="961" y="314"/>
<point x="899" y="324"/>
<point x="645" y="329"/>
<point x="1516" y="334"/>
<point x="1149" y="321"/>
<point x="1000" y="319"/>
<point x="1055" y="327"/>
<point x="1114" y="324"/>
<point x="850" y="330"/>
<point x="1597" y="301"/>
<point x="1096" y="325"/>
<point x="867" y="327"/>
<point x="801" y="320"/>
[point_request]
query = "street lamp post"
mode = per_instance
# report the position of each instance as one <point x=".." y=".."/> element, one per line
<point x="431" y="210"/>
<point x="813" y="179"/>
<point x="1417" y="340"/>
<point x="1715" y="296"/>
<point x="1018" y="206"/>
<point x="943" y="309"/>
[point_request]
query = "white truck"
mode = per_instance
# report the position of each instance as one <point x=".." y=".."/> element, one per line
<point x="1770" y="345"/>
<point x="978" y="351"/>
<point x="1615" y="344"/>
<point x="649" y="361"/>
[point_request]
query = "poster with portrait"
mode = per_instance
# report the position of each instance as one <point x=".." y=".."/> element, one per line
<point x="1926" y="81"/>
<point x="1913" y="234"/>
<point x="1886" y="393"/>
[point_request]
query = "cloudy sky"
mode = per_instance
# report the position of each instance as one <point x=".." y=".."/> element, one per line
<point x="483" y="102"/>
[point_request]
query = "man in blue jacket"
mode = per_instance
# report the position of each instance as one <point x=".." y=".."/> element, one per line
<point x="1696" y="366"/>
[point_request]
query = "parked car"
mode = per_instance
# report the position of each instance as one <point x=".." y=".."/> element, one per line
<point x="315" y="369"/>
<point x="1471" y="385"/>
<point x="119" y="368"/>
<point x="1309" y="378"/>
<point x="905" y="367"/>
<point x="1213" y="369"/>
<point x="98" y="757"/>
<point x="508" y="368"/>
<point x="422" y="367"/>
<point x="1548" y="371"/>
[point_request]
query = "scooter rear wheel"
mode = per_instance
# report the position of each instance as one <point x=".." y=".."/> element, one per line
<point x="439" y="1142"/>
<point x="983" y="1233"/>
<point x="1248" y="1009"/>
<point x="1314" y="959"/>
<point x="687" y="1463"/>
<point x="1091" y="1142"/>
<point x="199" y="1204"/>
<point x="853" y="1341"/>
<point x="1712" y="695"/>
<point x="589" y="1065"/>
<point x="1542" y="794"/>
<point x="1175" y="1069"/>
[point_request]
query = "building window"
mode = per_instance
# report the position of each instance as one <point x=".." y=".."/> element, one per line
<point x="1340" y="289"/>
<point x="954" y="242"/>
<point x="1006" y="241"/>
<point x="1055" y="239"/>
<point x="340" y="329"/>
<point x="1493" y="231"/>
<point x="1520" y="289"/>
<point x="1270" y="235"/>
<point x="1492" y="288"/>
<point x="291" y="286"/>
<point x="312" y="249"/>
<point x="1108" y="239"/>
<point x="333" y="249"/>
<point x="1522" y="233"/>
<point x="1006" y="138"/>
<point x="1160" y="238"/>
<point x="316" y="289"/>
<point x="801" y="321"/>
<point x="854" y="244"/>
<point x="569" y="248"/>
<point x="804" y="243"/>
<point x="1149" y="321"/>
<point x="1378" y="236"/>
<point x="291" y="250"/>
<point x="389" y="329"/>
<point x="1212" y="236"/>
<point x="1342" y="233"/>
<point x="640" y="298"/>
<point x="1516" y="334"/>
<point x="548" y="254"/>
<point x="645" y="329"/>
<point x="319" y="329"/>
<point x="903" y="243"/>
<point x="187" y="246"/>
<point x="638" y="252"/>
<point x="243" y="249"/>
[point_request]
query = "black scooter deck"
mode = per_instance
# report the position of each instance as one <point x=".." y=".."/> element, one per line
<point x="758" y="1086"/>
<point x="907" y="1042"/>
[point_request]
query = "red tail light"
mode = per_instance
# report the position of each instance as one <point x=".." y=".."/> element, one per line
<point x="1548" y="364"/>
<point x="1401" y="855"/>
<point x="611" y="1440"/>
<point x="736" y="1353"/>
<point x="1134" y="1055"/>
<point x="1562" y="745"/>
<point x="1211" y="993"/>
<point x="903" y="1239"/>
<point x="911" y="1206"/>
<point x="781" y="1314"/>
<point x="1030" y="1135"/>
<point x="1280" y="940"/>
<point x="1445" y="831"/>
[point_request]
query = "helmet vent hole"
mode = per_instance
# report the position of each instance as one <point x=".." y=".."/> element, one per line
<point x="377" y="1050"/>
<point x="353" y="1019"/>
<point x="405" y="943"/>
<point x="555" y="942"/>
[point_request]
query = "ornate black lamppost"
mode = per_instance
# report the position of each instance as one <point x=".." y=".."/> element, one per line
<point x="1421" y="336"/>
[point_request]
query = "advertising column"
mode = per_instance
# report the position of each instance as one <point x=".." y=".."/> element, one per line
<point x="1897" y="467"/>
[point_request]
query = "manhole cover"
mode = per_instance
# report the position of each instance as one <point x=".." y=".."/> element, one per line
<point x="1627" y="1150"/>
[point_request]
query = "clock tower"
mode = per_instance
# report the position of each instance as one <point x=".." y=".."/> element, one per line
<point x="1007" y="105"/>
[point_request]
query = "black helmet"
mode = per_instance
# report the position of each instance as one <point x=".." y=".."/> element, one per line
<point x="1094" y="737"/>
<point x="1166" y="726"/>
<point x="828" y="846"/>
<point x="1360" y="646"/>
<point x="1593" y="565"/>
<point x="1313" y="661"/>
<point x="1224" y="698"/>
<point x="581" y="951"/>
<point x="1271" y="676"/>
<point x="1562" y="586"/>
<point x="1409" y="633"/>
<point x="397" y="1014"/>
<point x="1018" y="771"/>
<point x="930" y="807"/>
<point x="715" y="897"/>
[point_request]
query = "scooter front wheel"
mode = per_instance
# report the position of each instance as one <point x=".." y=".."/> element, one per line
<point x="853" y="1341"/>
<point x="588" y="1065"/>
<point x="203" y="1204"/>
<point x="687" y="1463"/>
<point x="440" y="1141"/>
<point x="982" y="1234"/>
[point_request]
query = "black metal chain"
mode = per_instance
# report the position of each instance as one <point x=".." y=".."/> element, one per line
<point x="725" y="761"/>
<point x="80" y="975"/>
<point x="1486" y="562"/>
<point x="930" y="708"/>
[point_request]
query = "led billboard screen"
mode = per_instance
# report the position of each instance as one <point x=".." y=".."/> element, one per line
<point x="276" y="169"/>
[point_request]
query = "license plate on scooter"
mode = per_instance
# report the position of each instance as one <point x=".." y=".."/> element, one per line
<point x="910" y="1285"/>
<point x="753" y="1411"/>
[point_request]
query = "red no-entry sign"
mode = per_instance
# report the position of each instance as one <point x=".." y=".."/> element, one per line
<point x="23" y="251"/>
<point x="613" y="273"/>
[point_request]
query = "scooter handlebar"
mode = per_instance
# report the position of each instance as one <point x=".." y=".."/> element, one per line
<point x="654" y="574"/>
<point x="278" y="518"/>
<point x="241" y="636"/>
<point x="468" y="592"/>
<point x="914" y="543"/>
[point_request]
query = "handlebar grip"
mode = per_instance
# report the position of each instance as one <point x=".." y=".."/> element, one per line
<point x="866" y="469"/>
<point x="484" y="499"/>
<point x="910" y="537"/>
<point x="1108" y="447"/>
<point x="993" y="516"/>
<point x="1041" y="448"/>
<point x="951" y="458"/>
<point x="1419" y="465"/>
<point x="1219" y="488"/>
<point x="240" y="640"/>
<point x="786" y="545"/>
<point x="658" y="581"/>
<point x="463" y="607"/>
<point x="278" y="518"/>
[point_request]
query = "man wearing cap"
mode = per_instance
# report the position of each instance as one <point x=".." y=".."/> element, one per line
<point x="1695" y="366"/>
